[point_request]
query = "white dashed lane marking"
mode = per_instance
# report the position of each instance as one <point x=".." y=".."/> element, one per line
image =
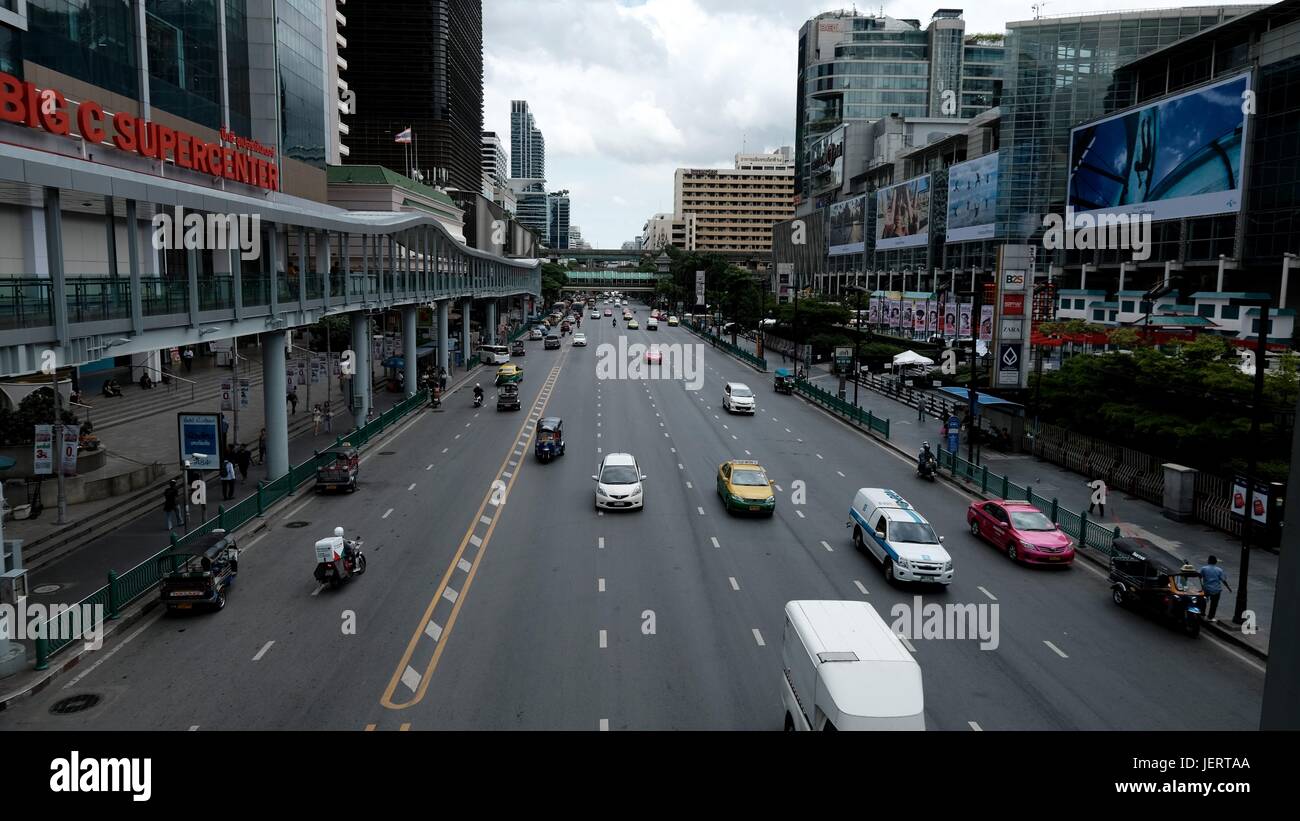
<point x="262" y="652"/>
<point x="1055" y="649"/>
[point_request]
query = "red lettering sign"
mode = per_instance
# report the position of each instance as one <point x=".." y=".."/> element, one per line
<point x="1013" y="304"/>
<point x="47" y="109"/>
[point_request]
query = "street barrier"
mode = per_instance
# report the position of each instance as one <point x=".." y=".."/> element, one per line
<point x="840" y="407"/>
<point x="126" y="588"/>
<point x="1078" y="526"/>
<point x="725" y="346"/>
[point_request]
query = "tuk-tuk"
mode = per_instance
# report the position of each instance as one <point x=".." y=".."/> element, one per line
<point x="550" y="438"/>
<point x="1157" y="580"/>
<point x="507" y="374"/>
<point x="517" y="348"/>
<point x="783" y="381"/>
<point x="200" y="578"/>
<point x="338" y="468"/>
<point x="508" y="397"/>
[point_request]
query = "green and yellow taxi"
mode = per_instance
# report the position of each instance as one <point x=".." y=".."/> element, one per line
<point x="509" y="373"/>
<point x="744" y="486"/>
<point x="633" y="325"/>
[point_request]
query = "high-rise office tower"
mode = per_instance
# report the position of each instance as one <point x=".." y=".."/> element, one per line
<point x="527" y="146"/>
<point x="417" y="64"/>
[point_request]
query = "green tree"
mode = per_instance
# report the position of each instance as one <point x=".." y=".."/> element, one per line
<point x="554" y="279"/>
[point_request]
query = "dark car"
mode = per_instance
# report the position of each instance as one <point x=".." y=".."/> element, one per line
<point x="552" y="341"/>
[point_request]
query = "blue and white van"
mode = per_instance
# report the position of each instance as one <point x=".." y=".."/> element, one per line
<point x="889" y="528"/>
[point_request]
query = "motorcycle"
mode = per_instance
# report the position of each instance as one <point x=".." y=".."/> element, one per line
<point x="478" y="400"/>
<point x="338" y="559"/>
<point x="925" y="469"/>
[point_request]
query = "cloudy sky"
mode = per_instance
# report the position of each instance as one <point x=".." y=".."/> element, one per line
<point x="626" y="91"/>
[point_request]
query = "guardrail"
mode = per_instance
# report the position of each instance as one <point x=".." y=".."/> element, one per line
<point x="736" y="351"/>
<point x="839" y="407"/>
<point x="1085" y="531"/>
<point x="126" y="588"/>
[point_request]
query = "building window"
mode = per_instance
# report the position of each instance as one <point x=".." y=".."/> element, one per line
<point x="1099" y="315"/>
<point x="1078" y="305"/>
<point x="14" y="13"/>
<point x="1126" y="306"/>
<point x="1230" y="312"/>
<point x="1206" y="311"/>
<point x="93" y="42"/>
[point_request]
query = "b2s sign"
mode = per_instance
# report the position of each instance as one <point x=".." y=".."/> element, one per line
<point x="23" y="103"/>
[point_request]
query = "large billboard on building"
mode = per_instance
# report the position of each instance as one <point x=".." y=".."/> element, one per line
<point x="1177" y="157"/>
<point x="826" y="160"/>
<point x="903" y="214"/>
<point x="972" y="199"/>
<point x="848" y="225"/>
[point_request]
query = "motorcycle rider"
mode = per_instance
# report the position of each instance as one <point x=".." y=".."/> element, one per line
<point x="925" y="459"/>
<point x="478" y="393"/>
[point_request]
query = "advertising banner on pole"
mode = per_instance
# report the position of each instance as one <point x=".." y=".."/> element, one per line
<point x="986" y="323"/>
<point x="699" y="288"/>
<point x="71" y="443"/>
<point x="317" y="371"/>
<point x="964" y="328"/>
<point x="43" y="450"/>
<point x="245" y="394"/>
<point x="227" y="395"/>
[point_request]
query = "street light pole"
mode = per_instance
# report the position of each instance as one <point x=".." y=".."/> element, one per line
<point x="1252" y="465"/>
<point x="856" y="343"/>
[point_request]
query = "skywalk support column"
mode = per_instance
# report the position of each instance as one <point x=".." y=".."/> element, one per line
<point x="491" y="322"/>
<point x="273" y="404"/>
<point x="467" y="307"/>
<point x="361" y="360"/>
<point x="408" y="348"/>
<point x="443" y="338"/>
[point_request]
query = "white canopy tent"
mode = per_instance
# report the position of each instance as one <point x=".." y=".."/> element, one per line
<point x="910" y="358"/>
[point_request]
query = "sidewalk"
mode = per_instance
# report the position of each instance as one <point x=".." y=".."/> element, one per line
<point x="1133" y="516"/>
<point x="80" y="573"/>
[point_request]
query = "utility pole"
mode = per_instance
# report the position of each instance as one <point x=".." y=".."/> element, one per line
<point x="1252" y="465"/>
<point x="58" y="448"/>
<point x="972" y="389"/>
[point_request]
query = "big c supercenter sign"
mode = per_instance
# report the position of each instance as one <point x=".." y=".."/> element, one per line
<point x="23" y="103"/>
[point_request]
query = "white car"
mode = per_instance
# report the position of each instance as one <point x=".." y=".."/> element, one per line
<point x="618" y="484"/>
<point x="737" y="398"/>
<point x="595" y="314"/>
<point x="579" y="340"/>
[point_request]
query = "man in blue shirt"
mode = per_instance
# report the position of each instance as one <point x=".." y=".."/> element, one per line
<point x="1214" y="579"/>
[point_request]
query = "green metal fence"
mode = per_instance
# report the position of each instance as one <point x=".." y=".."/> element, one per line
<point x="722" y="344"/>
<point x="1085" y="531"/>
<point x="840" y="407"/>
<point x="137" y="582"/>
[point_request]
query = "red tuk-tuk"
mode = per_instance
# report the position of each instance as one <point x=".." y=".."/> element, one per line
<point x="337" y="468"/>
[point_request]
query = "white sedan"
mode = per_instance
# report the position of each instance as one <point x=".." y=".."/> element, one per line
<point x="618" y="484"/>
<point x="579" y="340"/>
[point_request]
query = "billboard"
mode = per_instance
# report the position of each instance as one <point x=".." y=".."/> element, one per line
<point x="826" y="160"/>
<point x="972" y="199"/>
<point x="1178" y="157"/>
<point x="903" y="214"/>
<point x="848" y="227"/>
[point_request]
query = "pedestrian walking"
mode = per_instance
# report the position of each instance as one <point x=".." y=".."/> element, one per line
<point x="225" y="425"/>
<point x="261" y="447"/>
<point x="329" y="418"/>
<point x="171" y="505"/>
<point x="1098" y="498"/>
<point x="442" y="378"/>
<point x="243" y="458"/>
<point x="1213" y="580"/>
<point x="228" y="480"/>
<point x="188" y="358"/>
<point x="316" y="419"/>
<point x="292" y="399"/>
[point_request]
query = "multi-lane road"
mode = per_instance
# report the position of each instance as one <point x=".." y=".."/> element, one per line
<point x="497" y="597"/>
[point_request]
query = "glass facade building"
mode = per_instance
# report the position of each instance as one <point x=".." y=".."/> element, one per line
<point x="527" y="146"/>
<point x="1059" y="73"/>
<point x="301" y="59"/>
<point x="859" y="68"/>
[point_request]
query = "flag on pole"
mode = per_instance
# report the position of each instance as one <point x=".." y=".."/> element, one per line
<point x="403" y="136"/>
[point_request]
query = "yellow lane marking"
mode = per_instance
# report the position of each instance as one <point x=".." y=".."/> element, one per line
<point x="404" y="667"/>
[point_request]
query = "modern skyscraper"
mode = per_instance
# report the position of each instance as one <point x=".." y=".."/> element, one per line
<point x="417" y="65"/>
<point x="531" y="205"/>
<point x="557" y="220"/>
<point x="495" y="165"/>
<point x="856" y="67"/>
<point x="527" y="146"/>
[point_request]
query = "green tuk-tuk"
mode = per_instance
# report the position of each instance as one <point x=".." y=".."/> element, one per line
<point x="783" y="381"/>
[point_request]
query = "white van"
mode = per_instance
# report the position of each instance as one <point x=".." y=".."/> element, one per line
<point x="652" y="324"/>
<point x="737" y="398"/>
<point x="844" y="669"/>
<point x="494" y="354"/>
<point x="900" y="538"/>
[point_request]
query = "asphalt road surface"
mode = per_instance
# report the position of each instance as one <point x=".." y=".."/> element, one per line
<point x="497" y="597"/>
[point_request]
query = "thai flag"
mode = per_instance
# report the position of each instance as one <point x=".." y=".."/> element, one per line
<point x="403" y="136"/>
